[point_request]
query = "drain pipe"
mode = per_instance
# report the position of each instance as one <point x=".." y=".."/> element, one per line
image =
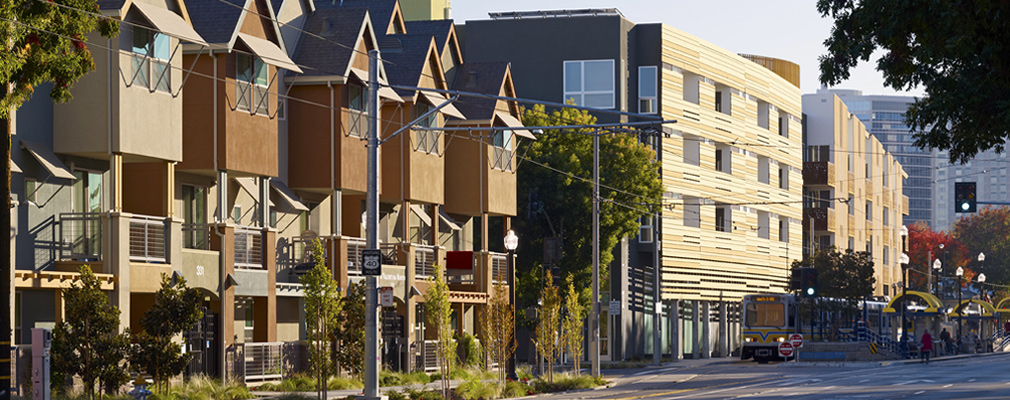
<point x="334" y="203"/>
<point x="220" y="219"/>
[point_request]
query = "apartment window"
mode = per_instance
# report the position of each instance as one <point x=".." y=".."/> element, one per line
<point x="869" y="210"/>
<point x="783" y="124"/>
<point x="886" y="173"/>
<point x="590" y="83"/>
<point x="723" y="220"/>
<point x="783" y="229"/>
<point x="427" y="140"/>
<point x="692" y="149"/>
<point x="818" y="153"/>
<point x="783" y="176"/>
<point x="869" y="158"/>
<point x="869" y="245"/>
<point x="724" y="158"/>
<point x="249" y="326"/>
<point x="645" y="229"/>
<point x="887" y="253"/>
<point x="236" y="215"/>
<point x="252" y="90"/>
<point x="723" y="99"/>
<point x="273" y="217"/>
<point x="763" y="227"/>
<point x="852" y="146"/>
<point x="763" y="112"/>
<point x="194" y="217"/>
<point x="691" y="84"/>
<point x="824" y="242"/>
<point x="31" y="187"/>
<point x="887" y="216"/>
<point x="763" y="166"/>
<point x="502" y="143"/>
<point x="357" y="102"/>
<point x="852" y="243"/>
<point x="151" y="65"/>
<point x="648" y="89"/>
<point x="852" y="205"/>
<point x="692" y="213"/>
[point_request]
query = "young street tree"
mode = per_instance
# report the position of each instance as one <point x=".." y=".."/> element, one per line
<point x="176" y="308"/>
<point x="43" y="41"/>
<point x="439" y="312"/>
<point x="548" y="343"/>
<point x="351" y="331"/>
<point x="498" y="322"/>
<point x="628" y="175"/>
<point x="572" y="336"/>
<point x="88" y="343"/>
<point x="956" y="50"/>
<point x="322" y="308"/>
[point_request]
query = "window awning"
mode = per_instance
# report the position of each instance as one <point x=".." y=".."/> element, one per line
<point x="419" y="211"/>
<point x="48" y="160"/>
<point x="448" y="220"/>
<point x="251" y="187"/>
<point x="269" y="52"/>
<point x="15" y="167"/>
<point x="169" y="23"/>
<point x="385" y="92"/>
<point x="287" y="195"/>
<point x="512" y="122"/>
<point x="435" y="99"/>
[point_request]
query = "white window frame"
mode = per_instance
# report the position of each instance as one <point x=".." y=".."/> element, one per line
<point x="150" y="59"/>
<point x="249" y="92"/>
<point x="579" y="95"/>
<point x="652" y="101"/>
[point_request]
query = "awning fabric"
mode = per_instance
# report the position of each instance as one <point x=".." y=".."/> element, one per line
<point x="269" y="52"/>
<point x="385" y="92"/>
<point x="419" y="211"/>
<point x="251" y="187"/>
<point x="448" y="220"/>
<point x="48" y="159"/>
<point x="512" y="122"/>
<point x="15" y="167"/>
<point x="287" y="195"/>
<point x="436" y="99"/>
<point x="169" y="22"/>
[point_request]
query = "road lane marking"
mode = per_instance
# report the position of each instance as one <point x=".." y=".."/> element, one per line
<point x="920" y="392"/>
<point x="642" y="373"/>
<point x="689" y="390"/>
<point x="972" y="380"/>
<point x="948" y="385"/>
<point x="864" y="381"/>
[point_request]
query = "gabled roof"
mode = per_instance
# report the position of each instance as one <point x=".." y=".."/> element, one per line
<point x="340" y="25"/>
<point x="110" y="4"/>
<point x="217" y="20"/>
<point x="381" y="11"/>
<point x="479" y="77"/>
<point x="405" y="66"/>
<point x="119" y="8"/>
<point x="440" y="29"/>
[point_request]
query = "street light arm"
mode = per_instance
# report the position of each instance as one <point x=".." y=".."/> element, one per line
<point x="419" y="119"/>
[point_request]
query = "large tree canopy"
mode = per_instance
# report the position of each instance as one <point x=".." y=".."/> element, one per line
<point x="555" y="184"/>
<point x="957" y="50"/>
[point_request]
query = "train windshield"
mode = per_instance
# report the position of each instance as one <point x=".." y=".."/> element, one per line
<point x="766" y="314"/>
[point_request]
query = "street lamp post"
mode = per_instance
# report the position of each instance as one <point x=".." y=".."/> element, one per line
<point x="936" y="266"/>
<point x="511" y="242"/>
<point x="960" y="310"/>
<point x="903" y="260"/>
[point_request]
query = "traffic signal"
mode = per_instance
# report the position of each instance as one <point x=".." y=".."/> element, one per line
<point x="964" y="197"/>
<point x="794" y="279"/>
<point x="808" y="282"/>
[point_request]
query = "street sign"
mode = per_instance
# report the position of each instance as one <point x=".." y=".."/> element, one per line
<point x="615" y="307"/>
<point x="785" y="349"/>
<point x="796" y="340"/>
<point x="371" y="262"/>
<point x="386" y="296"/>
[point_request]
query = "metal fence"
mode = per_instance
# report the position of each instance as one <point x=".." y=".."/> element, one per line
<point x="424" y="261"/>
<point x="81" y="236"/>
<point x="263" y="361"/>
<point x="147" y="239"/>
<point x="248" y="248"/>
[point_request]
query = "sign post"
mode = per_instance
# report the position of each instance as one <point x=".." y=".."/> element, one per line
<point x="796" y="340"/>
<point x="785" y="349"/>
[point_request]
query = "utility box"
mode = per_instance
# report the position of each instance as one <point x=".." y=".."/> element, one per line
<point x="41" y="343"/>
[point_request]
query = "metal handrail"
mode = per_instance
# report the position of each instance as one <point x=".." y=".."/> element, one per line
<point x="81" y="236"/>
<point x="147" y="239"/>
<point x="196" y="236"/>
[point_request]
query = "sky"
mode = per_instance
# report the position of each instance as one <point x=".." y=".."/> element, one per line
<point x="791" y="30"/>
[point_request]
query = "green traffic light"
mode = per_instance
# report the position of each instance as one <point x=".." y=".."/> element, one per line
<point x="810" y="291"/>
<point x="965" y="206"/>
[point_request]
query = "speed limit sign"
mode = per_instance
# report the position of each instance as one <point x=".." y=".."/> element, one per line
<point x="371" y="262"/>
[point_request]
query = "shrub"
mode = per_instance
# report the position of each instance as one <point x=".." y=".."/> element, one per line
<point x="516" y="389"/>
<point x="567" y="381"/>
<point x="204" y="388"/>
<point x="344" y="383"/>
<point x="474" y="353"/>
<point x="476" y="389"/>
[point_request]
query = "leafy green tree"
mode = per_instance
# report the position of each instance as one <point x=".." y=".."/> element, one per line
<point x="988" y="232"/>
<point x="88" y="343"/>
<point x="176" y="308"/>
<point x="549" y="345"/>
<point x="556" y="178"/>
<point x="847" y="276"/>
<point x="351" y="331"/>
<point x="573" y="322"/>
<point x="439" y="313"/>
<point x="322" y="308"/>
<point x="956" y="50"/>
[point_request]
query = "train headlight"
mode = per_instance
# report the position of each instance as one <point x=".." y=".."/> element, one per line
<point x="748" y="339"/>
<point x="781" y="339"/>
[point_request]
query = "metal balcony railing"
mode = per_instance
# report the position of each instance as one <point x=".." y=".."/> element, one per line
<point x="424" y="261"/>
<point x="248" y="248"/>
<point x="263" y="361"/>
<point x="196" y="236"/>
<point x="81" y="236"/>
<point x="147" y="239"/>
<point x="499" y="267"/>
<point x="354" y="248"/>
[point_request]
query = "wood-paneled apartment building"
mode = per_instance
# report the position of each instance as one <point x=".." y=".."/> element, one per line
<point x="217" y="139"/>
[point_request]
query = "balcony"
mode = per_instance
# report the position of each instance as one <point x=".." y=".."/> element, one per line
<point x="81" y="236"/>
<point x="248" y="248"/>
<point x="818" y="173"/>
<point x="823" y="218"/>
<point x="147" y="239"/>
<point x="499" y="267"/>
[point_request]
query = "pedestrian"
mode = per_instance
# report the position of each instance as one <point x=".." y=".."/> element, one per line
<point x="926" y="347"/>
<point x="945" y="338"/>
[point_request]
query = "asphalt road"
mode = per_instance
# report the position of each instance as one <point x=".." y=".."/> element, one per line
<point x="979" y="377"/>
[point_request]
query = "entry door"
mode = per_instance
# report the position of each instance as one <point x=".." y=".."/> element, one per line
<point x="202" y="342"/>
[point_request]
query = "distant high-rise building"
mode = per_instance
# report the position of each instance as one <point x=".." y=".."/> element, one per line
<point x="884" y="117"/>
<point x="988" y="169"/>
